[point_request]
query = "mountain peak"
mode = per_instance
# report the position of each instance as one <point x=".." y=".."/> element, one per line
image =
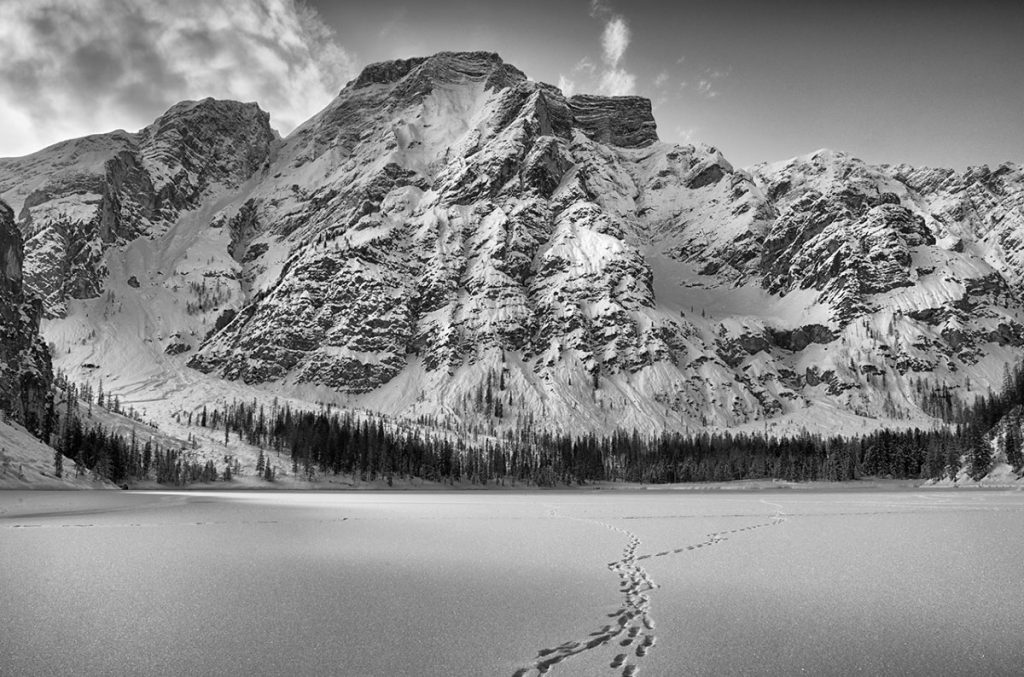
<point x="625" y="121"/>
<point x="441" y="67"/>
<point x="385" y="72"/>
<point x="213" y="108"/>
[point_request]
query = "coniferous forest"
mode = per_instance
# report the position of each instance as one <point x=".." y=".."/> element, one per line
<point x="313" y="444"/>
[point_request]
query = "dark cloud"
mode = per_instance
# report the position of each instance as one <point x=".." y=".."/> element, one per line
<point x="69" y="68"/>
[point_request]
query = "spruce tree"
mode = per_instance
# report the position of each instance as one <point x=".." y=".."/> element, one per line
<point x="980" y="454"/>
<point x="1012" y="447"/>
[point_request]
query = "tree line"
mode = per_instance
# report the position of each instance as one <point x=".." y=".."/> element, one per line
<point x="372" y="447"/>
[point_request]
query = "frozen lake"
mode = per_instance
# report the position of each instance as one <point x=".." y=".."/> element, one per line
<point x="493" y="583"/>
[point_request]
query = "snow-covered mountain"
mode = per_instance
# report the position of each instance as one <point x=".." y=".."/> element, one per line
<point x="75" y="198"/>
<point x="449" y="238"/>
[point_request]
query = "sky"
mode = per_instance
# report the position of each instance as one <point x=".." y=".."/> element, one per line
<point x="938" y="84"/>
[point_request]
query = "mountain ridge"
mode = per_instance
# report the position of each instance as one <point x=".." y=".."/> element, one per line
<point x="447" y="234"/>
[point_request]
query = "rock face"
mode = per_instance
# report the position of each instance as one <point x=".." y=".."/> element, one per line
<point x="25" y="370"/>
<point x="448" y="238"/>
<point x="624" y="121"/>
<point x="76" y="198"/>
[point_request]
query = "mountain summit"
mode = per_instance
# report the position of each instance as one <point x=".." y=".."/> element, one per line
<point x="449" y="239"/>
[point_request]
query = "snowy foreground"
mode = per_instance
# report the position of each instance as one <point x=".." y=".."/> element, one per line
<point x="572" y="583"/>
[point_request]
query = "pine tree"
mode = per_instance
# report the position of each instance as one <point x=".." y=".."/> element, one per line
<point x="1012" y="446"/>
<point x="58" y="464"/>
<point x="980" y="456"/>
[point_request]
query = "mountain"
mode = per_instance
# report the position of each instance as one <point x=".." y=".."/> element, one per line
<point x="449" y="239"/>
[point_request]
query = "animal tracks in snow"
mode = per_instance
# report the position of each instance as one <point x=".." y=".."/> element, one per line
<point x="715" y="538"/>
<point x="631" y="631"/>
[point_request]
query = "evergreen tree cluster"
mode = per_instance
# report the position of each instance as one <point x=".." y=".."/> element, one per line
<point x="118" y="458"/>
<point x="371" y="447"/>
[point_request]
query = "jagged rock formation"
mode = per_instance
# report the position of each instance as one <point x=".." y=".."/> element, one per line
<point x="76" y="198"/>
<point x="448" y="237"/>
<point x="25" y="369"/>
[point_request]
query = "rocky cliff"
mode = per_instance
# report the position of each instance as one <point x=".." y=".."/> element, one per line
<point x="25" y="369"/>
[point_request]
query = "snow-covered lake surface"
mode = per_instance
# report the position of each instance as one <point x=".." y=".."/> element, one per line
<point x="495" y="583"/>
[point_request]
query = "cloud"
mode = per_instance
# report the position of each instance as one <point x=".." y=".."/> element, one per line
<point x="706" y="83"/>
<point x="609" y="76"/>
<point x="584" y="68"/>
<point x="613" y="80"/>
<point x="615" y="40"/>
<point x="392" y="25"/>
<point x="685" y="134"/>
<point x="73" y="67"/>
<point x="600" y="9"/>
<point x="661" y="79"/>
<point x="567" y="85"/>
<point x="584" y="65"/>
<point x="617" y="82"/>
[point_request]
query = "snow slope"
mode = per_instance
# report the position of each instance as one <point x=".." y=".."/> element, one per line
<point x="27" y="463"/>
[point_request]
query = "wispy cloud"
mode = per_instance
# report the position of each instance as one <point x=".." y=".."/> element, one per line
<point x="614" y="40"/>
<point x="391" y="26"/>
<point x="600" y="9"/>
<point x="615" y="80"/>
<point x="584" y="68"/>
<point x="567" y="85"/>
<point x="610" y="77"/>
<point x="707" y="82"/>
<point x="71" y="67"/>
<point x="685" y="134"/>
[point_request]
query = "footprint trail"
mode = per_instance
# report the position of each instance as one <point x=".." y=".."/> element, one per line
<point x="627" y="624"/>
<point x="631" y="630"/>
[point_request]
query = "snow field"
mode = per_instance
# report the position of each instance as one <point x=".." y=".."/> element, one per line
<point x="564" y="583"/>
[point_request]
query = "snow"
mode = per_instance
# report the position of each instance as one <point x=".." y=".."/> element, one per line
<point x="77" y="208"/>
<point x="27" y="463"/>
<point x="75" y="157"/>
<point x="501" y="583"/>
<point x="678" y="287"/>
